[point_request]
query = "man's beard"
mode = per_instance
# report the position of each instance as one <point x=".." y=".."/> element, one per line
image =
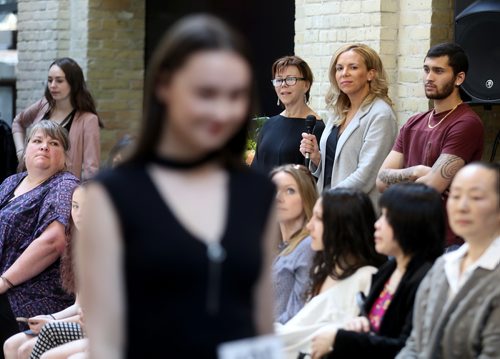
<point x="446" y="91"/>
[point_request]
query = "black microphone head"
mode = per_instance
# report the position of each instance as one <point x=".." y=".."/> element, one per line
<point x="310" y="122"/>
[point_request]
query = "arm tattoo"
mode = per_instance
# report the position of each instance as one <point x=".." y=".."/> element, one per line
<point x="447" y="165"/>
<point x="391" y="176"/>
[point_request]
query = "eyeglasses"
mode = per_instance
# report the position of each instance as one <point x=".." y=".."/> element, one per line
<point x="289" y="81"/>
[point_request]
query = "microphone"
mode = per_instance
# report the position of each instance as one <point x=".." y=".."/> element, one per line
<point x="310" y="122"/>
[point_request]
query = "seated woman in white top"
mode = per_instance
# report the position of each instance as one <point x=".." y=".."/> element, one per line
<point x="457" y="308"/>
<point x="342" y="236"/>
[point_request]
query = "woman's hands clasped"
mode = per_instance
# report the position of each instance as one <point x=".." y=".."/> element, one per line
<point x="309" y="144"/>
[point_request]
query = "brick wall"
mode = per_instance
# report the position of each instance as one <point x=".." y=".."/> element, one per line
<point x="43" y="35"/>
<point x="398" y="30"/>
<point x="116" y="32"/>
<point x="106" y="37"/>
<point x="401" y="31"/>
<point x="77" y="36"/>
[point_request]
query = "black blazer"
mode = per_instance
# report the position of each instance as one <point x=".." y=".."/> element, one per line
<point x="396" y="324"/>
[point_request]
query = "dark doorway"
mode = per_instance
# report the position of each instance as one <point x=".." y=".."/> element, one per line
<point x="268" y="26"/>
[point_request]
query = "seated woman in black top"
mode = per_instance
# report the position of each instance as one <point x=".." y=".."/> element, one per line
<point x="279" y="139"/>
<point x="411" y="230"/>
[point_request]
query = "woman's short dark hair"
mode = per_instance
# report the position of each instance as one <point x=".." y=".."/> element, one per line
<point x="190" y="35"/>
<point x="416" y="214"/>
<point x="457" y="58"/>
<point x="81" y="99"/>
<point x="304" y="69"/>
<point x="348" y="226"/>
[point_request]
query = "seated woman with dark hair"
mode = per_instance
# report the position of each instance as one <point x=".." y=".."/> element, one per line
<point x="345" y="259"/>
<point x="457" y="308"/>
<point x="411" y="230"/>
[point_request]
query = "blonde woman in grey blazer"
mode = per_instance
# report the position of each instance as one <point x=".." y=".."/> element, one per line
<point x="362" y="128"/>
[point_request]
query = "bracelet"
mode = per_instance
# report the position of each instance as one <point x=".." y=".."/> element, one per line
<point x="8" y="282"/>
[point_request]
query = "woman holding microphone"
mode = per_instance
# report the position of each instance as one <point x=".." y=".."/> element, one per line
<point x="362" y="129"/>
<point x="281" y="134"/>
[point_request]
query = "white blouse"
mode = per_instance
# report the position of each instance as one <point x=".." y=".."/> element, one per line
<point x="332" y="308"/>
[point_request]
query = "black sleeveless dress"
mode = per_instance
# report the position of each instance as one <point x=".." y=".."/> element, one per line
<point x="182" y="297"/>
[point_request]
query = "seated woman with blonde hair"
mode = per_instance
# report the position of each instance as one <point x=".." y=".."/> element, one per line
<point x="295" y="198"/>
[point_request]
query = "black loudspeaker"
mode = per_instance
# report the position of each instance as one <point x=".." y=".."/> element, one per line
<point x="477" y="30"/>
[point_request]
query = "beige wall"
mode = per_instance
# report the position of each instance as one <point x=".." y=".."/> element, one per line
<point x="401" y="31"/>
<point x="106" y="37"/>
<point x="115" y="53"/>
<point x="44" y="29"/>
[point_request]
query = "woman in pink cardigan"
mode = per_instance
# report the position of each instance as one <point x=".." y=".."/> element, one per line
<point x="67" y="102"/>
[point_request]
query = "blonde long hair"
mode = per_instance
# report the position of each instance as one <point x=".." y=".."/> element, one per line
<point x="339" y="102"/>
<point x="308" y="193"/>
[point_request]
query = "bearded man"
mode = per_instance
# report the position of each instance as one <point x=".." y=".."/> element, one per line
<point x="432" y="146"/>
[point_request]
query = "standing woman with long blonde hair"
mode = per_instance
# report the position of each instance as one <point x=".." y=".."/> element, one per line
<point x="362" y="127"/>
<point x="295" y="199"/>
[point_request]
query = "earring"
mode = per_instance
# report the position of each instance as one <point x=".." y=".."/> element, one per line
<point x="278" y="102"/>
<point x="305" y="98"/>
